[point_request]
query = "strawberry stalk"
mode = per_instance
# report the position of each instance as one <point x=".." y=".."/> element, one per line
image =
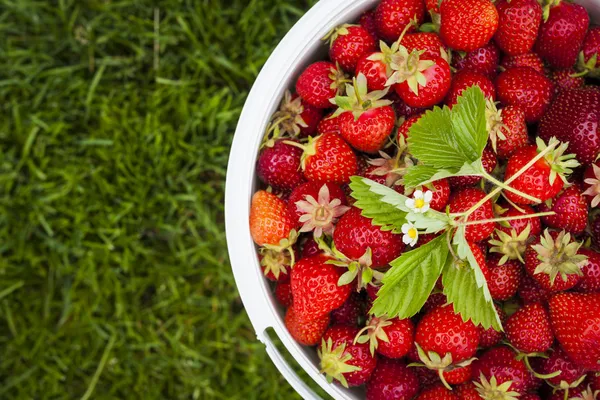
<point x="517" y="217"/>
<point x="509" y="188"/>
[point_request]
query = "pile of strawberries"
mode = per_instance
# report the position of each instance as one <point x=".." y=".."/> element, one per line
<point x="351" y="115"/>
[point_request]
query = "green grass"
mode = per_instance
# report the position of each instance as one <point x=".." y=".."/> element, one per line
<point x="116" y="118"/>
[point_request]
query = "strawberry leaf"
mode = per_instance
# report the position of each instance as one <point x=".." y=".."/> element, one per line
<point x="424" y="174"/>
<point x="407" y="285"/>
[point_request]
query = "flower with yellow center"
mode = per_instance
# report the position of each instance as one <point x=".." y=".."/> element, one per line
<point x="419" y="203"/>
<point x="411" y="234"/>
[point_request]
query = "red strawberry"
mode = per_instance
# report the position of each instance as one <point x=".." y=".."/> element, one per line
<point x="367" y="21"/>
<point x="427" y="42"/>
<point x="542" y="180"/>
<point x="530" y="396"/>
<point x="317" y="206"/>
<point x="320" y="82"/>
<point x="558" y="360"/>
<point x="561" y="35"/>
<point x="519" y="22"/>
<point x="366" y="120"/>
<point x="576" y="322"/>
<point x="348" y="363"/>
<point x="528" y="330"/>
<point x="464" y="80"/>
<point x="530" y="291"/>
<point x="392" y="16"/>
<point x="315" y="287"/>
<point x="306" y="332"/>
<point x="507" y="128"/>
<point x="574" y="117"/>
<point x="497" y="366"/>
<point x="329" y="124"/>
<point x="441" y="194"/>
<point x="373" y="66"/>
<point x="458" y="375"/>
<point x="279" y="166"/>
<point x="437" y="392"/>
<point x="571" y="211"/>
<point x="467" y="391"/>
<point x="328" y="158"/>
<point x="491" y="337"/>
<point x="405" y="127"/>
<point x="270" y="222"/>
<point x="567" y="78"/>
<point x="283" y="293"/>
<point x="388" y="171"/>
<point x="354" y="234"/>
<point x="436" y="75"/>
<point x="350" y="312"/>
<point x="462" y="201"/>
<point x="348" y="43"/>
<point x="404" y="110"/>
<point x="505" y="278"/>
<point x="530" y="60"/>
<point x="590" y="281"/>
<point x="553" y="260"/>
<point x="581" y="392"/>
<point x="519" y="225"/>
<point x="310" y="248"/>
<point x="390" y="337"/>
<point x="527" y="88"/>
<point x="434" y="300"/>
<point x="433" y="6"/>
<point x="588" y="58"/>
<point x="392" y="380"/>
<point x="594" y="381"/>
<point x="467" y="24"/>
<point x="489" y="161"/>
<point x="484" y="60"/>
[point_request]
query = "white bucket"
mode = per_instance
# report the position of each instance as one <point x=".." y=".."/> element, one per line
<point x="301" y="46"/>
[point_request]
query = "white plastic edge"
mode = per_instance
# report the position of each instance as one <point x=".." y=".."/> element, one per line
<point x="294" y="52"/>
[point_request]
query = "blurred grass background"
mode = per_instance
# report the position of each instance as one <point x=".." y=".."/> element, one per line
<point x="116" y="118"/>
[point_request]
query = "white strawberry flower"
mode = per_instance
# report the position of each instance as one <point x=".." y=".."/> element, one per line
<point x="320" y="215"/>
<point x="419" y="203"/>
<point x="411" y="234"/>
<point x="594" y="189"/>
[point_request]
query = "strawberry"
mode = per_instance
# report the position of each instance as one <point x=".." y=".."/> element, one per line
<point x="390" y="337"/>
<point x="320" y="82"/>
<point x="561" y="34"/>
<point x="567" y="78"/>
<point x="295" y="117"/>
<point x="491" y="337"/>
<point x="530" y="396"/>
<point x="354" y="234"/>
<point x="374" y="67"/>
<point x="317" y="206"/>
<point x="528" y="330"/>
<point x="315" y="287"/>
<point x="574" y="117"/>
<point x="519" y="23"/>
<point x="462" y="201"/>
<point x="348" y="43"/>
<point x="595" y="231"/>
<point x="388" y="171"/>
<point x="307" y="333"/>
<point x="553" y="260"/>
<point x="484" y="60"/>
<point x="504" y="278"/>
<point x="367" y="21"/>
<point x="437" y="392"/>
<point x="441" y="194"/>
<point x="489" y="161"/>
<point x="576" y="322"/>
<point x="270" y="221"/>
<point x="590" y="280"/>
<point x="434" y="300"/>
<point x="519" y="225"/>
<point x="445" y="341"/>
<point x="404" y="110"/>
<point x="527" y="88"/>
<point x="467" y="24"/>
<point x="507" y="129"/>
<point x="594" y="381"/>
<point x="283" y="293"/>
<point x="405" y="127"/>
<point x="279" y="165"/>
<point x="277" y="261"/>
<point x="328" y="158"/>
<point x="558" y="360"/>
<point x="433" y="6"/>
<point x="498" y="366"/>
<point x="329" y="124"/>
<point x="310" y="248"/>
<point x="542" y="180"/>
<point x="580" y="392"/>
<point x="530" y="60"/>
<point x="458" y="375"/>
<point x="366" y="120"/>
<point x="530" y="291"/>
<point x="428" y="42"/>
<point x="467" y="391"/>
<point x="424" y="86"/>
<point x="350" y="312"/>
<point x="392" y="380"/>
<point x="571" y="211"/>
<point x="349" y="363"/>
<point x="464" y="80"/>
<point x="588" y="58"/>
<point x="392" y="16"/>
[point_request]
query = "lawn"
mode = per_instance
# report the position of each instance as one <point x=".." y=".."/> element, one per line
<point x="116" y="118"/>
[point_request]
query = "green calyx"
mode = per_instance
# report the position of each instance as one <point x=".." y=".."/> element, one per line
<point x="490" y="390"/>
<point x="494" y="124"/>
<point x="358" y="99"/>
<point x="561" y="164"/>
<point x="338" y="80"/>
<point x="287" y="121"/>
<point x="373" y="332"/>
<point x="559" y="257"/>
<point x="547" y="5"/>
<point x="309" y="149"/>
<point x="333" y="34"/>
<point x="435" y="362"/>
<point x="587" y="68"/>
<point x="409" y="68"/>
<point x="588" y="394"/>
<point x="334" y="362"/>
<point x="278" y="258"/>
<point x="513" y="246"/>
<point x="392" y="168"/>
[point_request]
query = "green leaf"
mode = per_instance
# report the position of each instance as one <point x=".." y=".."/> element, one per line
<point x="383" y="205"/>
<point x="422" y="174"/>
<point x="407" y="285"/>
<point x="430" y="222"/>
<point x="447" y="139"/>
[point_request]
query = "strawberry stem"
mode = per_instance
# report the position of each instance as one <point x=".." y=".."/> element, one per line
<point x="509" y="188"/>
<point x="516" y="217"/>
